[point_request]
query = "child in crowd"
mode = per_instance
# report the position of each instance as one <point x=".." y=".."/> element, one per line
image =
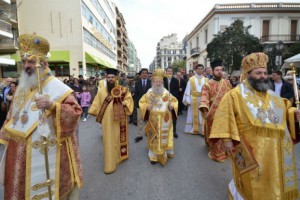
<point x="85" y="101"/>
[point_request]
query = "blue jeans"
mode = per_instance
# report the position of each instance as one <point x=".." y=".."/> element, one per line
<point x="85" y="111"/>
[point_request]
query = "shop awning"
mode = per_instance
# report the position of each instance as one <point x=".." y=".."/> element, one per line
<point x="89" y="58"/>
<point x="56" y="56"/>
<point x="7" y="61"/>
<point x="59" y="56"/>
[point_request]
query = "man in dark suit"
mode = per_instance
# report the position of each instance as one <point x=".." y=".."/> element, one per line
<point x="182" y="85"/>
<point x="141" y="87"/>
<point x="171" y="84"/>
<point x="281" y="87"/>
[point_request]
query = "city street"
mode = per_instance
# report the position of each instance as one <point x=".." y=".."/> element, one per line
<point x="190" y="175"/>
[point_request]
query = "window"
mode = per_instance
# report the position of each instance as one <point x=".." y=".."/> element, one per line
<point x="197" y="41"/>
<point x="265" y="30"/>
<point x="91" y="19"/>
<point x="293" y="30"/>
<point x="9" y="71"/>
<point x="205" y="36"/>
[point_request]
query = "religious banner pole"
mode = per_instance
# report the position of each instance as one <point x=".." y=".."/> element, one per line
<point x="42" y="123"/>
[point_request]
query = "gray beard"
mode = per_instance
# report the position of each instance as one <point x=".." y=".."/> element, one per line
<point x="260" y="85"/>
<point x="158" y="90"/>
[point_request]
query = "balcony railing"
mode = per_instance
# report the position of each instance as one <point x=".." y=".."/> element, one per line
<point x="195" y="51"/>
<point x="8" y="15"/>
<point x="8" y="43"/>
<point x="283" y="38"/>
<point x="5" y="26"/>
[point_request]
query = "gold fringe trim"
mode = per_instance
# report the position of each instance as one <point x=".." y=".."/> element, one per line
<point x="291" y="195"/>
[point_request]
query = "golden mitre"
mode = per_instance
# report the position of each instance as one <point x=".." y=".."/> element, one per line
<point x="158" y="73"/>
<point x="33" y="46"/>
<point x="255" y="60"/>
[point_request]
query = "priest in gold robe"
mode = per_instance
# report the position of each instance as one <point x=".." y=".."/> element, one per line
<point x="30" y="134"/>
<point x="212" y="93"/>
<point x="191" y="98"/>
<point x="159" y="108"/>
<point x="258" y="130"/>
<point x="112" y="105"/>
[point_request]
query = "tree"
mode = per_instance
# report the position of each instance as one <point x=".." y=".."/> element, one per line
<point x="232" y="45"/>
<point x="178" y="65"/>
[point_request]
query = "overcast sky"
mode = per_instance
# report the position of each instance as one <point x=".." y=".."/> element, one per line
<point x="147" y="21"/>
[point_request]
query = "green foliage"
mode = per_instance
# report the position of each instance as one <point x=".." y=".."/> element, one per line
<point x="178" y="65"/>
<point x="294" y="49"/>
<point x="232" y="45"/>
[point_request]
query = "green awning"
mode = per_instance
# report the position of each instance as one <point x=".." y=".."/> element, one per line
<point x="15" y="57"/>
<point x="59" y="56"/>
<point x="94" y="60"/>
<point x="56" y="56"/>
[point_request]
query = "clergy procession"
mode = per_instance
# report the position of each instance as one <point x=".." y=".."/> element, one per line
<point x="249" y="124"/>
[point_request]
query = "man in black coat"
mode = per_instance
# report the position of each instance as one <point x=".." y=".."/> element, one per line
<point x="181" y="85"/>
<point x="281" y="87"/>
<point x="171" y="84"/>
<point x="141" y="87"/>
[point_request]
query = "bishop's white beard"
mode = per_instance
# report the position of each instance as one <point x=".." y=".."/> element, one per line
<point x="29" y="81"/>
<point x="158" y="90"/>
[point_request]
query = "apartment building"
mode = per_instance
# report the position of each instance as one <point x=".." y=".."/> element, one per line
<point x="271" y="22"/>
<point x="134" y="64"/>
<point x="122" y="42"/>
<point x="8" y="37"/>
<point x="82" y="33"/>
<point x="168" y="50"/>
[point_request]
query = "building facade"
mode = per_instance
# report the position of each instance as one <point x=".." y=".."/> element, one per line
<point x="8" y="37"/>
<point x="168" y="50"/>
<point x="81" y="33"/>
<point x="271" y="22"/>
<point x="122" y="41"/>
<point x="134" y="63"/>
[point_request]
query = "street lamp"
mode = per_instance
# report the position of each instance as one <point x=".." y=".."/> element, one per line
<point x="278" y="60"/>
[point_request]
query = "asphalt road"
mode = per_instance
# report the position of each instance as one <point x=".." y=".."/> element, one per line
<point x="190" y="175"/>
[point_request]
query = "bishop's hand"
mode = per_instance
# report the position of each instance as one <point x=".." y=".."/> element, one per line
<point x="150" y="107"/>
<point x="42" y="102"/>
<point x="228" y="147"/>
<point x="297" y="115"/>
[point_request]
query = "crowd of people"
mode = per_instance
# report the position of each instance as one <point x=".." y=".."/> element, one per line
<point x="248" y="119"/>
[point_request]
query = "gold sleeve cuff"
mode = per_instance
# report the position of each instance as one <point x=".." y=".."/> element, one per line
<point x="227" y="139"/>
<point x="52" y="106"/>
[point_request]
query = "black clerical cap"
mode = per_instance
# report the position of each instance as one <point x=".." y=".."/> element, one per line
<point x="112" y="71"/>
<point x="216" y="63"/>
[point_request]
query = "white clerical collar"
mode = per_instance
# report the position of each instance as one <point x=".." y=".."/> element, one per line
<point x="197" y="76"/>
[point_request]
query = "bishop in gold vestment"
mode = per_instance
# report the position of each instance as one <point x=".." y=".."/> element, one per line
<point x="112" y="105"/>
<point x="261" y="126"/>
<point x="25" y="169"/>
<point x="158" y="108"/>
